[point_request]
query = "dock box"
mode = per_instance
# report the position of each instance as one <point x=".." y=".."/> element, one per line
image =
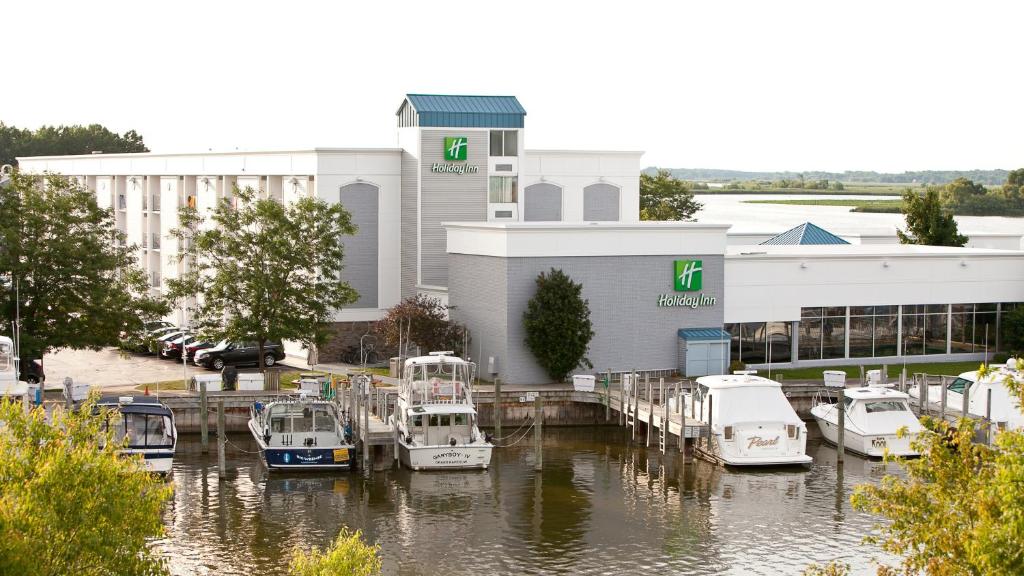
<point x="583" y="382"/>
<point x="250" y="381"/>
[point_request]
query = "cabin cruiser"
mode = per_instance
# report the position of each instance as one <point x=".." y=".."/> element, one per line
<point x="435" y="420"/>
<point x="1006" y="410"/>
<point x="873" y="416"/>
<point x="148" y="426"/>
<point x="9" y="384"/>
<point x="301" y="433"/>
<point x="752" y="423"/>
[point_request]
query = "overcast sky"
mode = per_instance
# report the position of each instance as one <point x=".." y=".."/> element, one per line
<point x="859" y="85"/>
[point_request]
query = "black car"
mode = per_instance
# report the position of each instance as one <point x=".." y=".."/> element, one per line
<point x="239" y="353"/>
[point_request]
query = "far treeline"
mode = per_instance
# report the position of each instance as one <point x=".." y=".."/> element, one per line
<point x="987" y="177"/>
<point x="64" y="140"/>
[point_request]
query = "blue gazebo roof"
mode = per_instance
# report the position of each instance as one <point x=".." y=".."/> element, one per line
<point x="805" y="234"/>
<point x="454" y="111"/>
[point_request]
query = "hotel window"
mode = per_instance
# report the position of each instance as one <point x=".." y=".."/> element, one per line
<point x="973" y="326"/>
<point x="822" y="333"/>
<point x="504" y="143"/>
<point x="761" y="342"/>
<point x="872" y="331"/>
<point x="504" y="190"/>
<point x="924" y="329"/>
<point x="1004" y="321"/>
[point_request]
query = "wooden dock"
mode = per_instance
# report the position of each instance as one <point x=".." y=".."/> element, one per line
<point x="658" y="407"/>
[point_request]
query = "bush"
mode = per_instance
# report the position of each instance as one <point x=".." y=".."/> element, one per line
<point x="1013" y="330"/>
<point x="736" y="365"/>
<point x="557" y="324"/>
<point x="348" y="556"/>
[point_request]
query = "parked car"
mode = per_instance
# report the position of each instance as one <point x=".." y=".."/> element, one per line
<point x="32" y="372"/>
<point x="171" y="349"/>
<point x="191" y="349"/>
<point x="142" y="342"/>
<point x="238" y="353"/>
<point x="156" y="325"/>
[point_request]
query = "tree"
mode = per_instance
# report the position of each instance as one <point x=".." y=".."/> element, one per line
<point x="423" y="321"/>
<point x="557" y="324"/>
<point x="960" y="191"/>
<point x="69" y="503"/>
<point x="928" y="222"/>
<point x="960" y="508"/>
<point x="663" y="197"/>
<point x="64" y="266"/>
<point x="264" y="271"/>
<point x="1012" y="327"/>
<point x="348" y="556"/>
<point x="63" y="140"/>
<point x="1013" y="188"/>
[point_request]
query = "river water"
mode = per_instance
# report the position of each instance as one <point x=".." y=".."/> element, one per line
<point x="600" y="506"/>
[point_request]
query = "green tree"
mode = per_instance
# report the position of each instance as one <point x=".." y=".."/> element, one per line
<point x="663" y="197"/>
<point x="1012" y="328"/>
<point x="423" y="321"/>
<point x="63" y="140"/>
<point x="69" y="503"/>
<point x="63" y="260"/>
<point x="348" y="556"/>
<point x="557" y="324"/>
<point x="264" y="271"/>
<point x="1013" y="188"/>
<point x="927" y="221"/>
<point x="960" y="508"/>
<point x="961" y="191"/>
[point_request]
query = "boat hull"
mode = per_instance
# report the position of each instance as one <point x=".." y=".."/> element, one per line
<point x="341" y="457"/>
<point x="156" y="460"/>
<point x="870" y="445"/>
<point x="461" y="457"/>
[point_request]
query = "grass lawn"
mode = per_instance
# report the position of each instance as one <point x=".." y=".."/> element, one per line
<point x="288" y="380"/>
<point x="848" y="189"/>
<point x="853" y="372"/>
<point x="162" y="386"/>
<point x="857" y="205"/>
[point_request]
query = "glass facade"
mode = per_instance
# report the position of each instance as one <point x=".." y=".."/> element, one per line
<point x="872" y="331"/>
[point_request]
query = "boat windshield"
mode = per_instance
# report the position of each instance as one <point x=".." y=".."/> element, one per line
<point x="873" y="406"/>
<point x="958" y="385"/>
<point x="444" y="382"/>
<point x="143" y="430"/>
<point x="302" y="418"/>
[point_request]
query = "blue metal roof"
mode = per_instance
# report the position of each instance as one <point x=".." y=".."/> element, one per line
<point x="704" y="334"/>
<point x="451" y="111"/>
<point x="805" y="234"/>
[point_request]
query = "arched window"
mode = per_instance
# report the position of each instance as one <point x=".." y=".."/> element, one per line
<point x="542" y="202"/>
<point x="361" y="199"/>
<point x="601" y="202"/>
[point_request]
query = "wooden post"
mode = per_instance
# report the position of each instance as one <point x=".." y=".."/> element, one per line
<point x="497" y="407"/>
<point x="841" y="432"/>
<point x="711" y="404"/>
<point x="222" y="471"/>
<point x="923" y="389"/>
<point x="664" y="421"/>
<point x="861" y="373"/>
<point x="366" y="429"/>
<point x="608" y="396"/>
<point x="650" y="409"/>
<point x="682" y="431"/>
<point x="538" y="417"/>
<point x="636" y="402"/>
<point x="885" y="373"/>
<point x="622" y="399"/>
<point x="988" y="416"/>
<point x="903" y="380"/>
<point x="942" y="398"/>
<point x="204" y="419"/>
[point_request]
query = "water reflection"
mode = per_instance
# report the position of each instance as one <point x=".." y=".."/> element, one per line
<point x="600" y="505"/>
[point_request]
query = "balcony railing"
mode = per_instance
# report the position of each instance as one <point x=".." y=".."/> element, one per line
<point x="155" y="241"/>
<point x="155" y="279"/>
<point x="145" y="241"/>
<point x="122" y="202"/>
<point x="156" y="203"/>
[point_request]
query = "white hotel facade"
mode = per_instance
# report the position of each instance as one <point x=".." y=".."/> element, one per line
<point x="474" y="225"/>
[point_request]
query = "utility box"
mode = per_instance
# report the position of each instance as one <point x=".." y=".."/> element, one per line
<point x="583" y="382"/>
<point x="250" y="381"/>
<point x="213" y="382"/>
<point x="395" y="367"/>
<point x="835" y="378"/>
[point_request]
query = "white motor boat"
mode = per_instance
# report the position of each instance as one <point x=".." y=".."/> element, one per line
<point x="752" y="422"/>
<point x="10" y="387"/>
<point x="435" y="420"/>
<point x="148" y="426"/>
<point x="874" y="414"/>
<point x="302" y="434"/>
<point x="1006" y="411"/>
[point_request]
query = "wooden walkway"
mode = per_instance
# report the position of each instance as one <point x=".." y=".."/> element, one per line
<point x="659" y="407"/>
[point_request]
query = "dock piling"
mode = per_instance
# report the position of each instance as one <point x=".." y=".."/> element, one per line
<point x="967" y="401"/>
<point x="497" y="407"/>
<point x="608" y="396"/>
<point x="650" y="409"/>
<point x="222" y="434"/>
<point x="922" y="391"/>
<point x="942" y="398"/>
<point x="204" y="419"/>
<point x="988" y="416"/>
<point x="841" y="432"/>
<point x="538" y="441"/>
<point x="622" y="400"/>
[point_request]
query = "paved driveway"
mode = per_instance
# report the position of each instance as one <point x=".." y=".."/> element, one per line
<point x="110" y="369"/>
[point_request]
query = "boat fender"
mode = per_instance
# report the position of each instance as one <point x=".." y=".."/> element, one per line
<point x="408" y="438"/>
<point x="266" y="438"/>
<point x="489" y="438"/>
<point x="452" y="441"/>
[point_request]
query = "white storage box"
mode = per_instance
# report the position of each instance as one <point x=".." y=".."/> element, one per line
<point x="311" y="387"/>
<point x="250" y="381"/>
<point x="79" y="392"/>
<point x="874" y="377"/>
<point x="213" y="382"/>
<point x="835" y="378"/>
<point x="583" y="382"/>
<point x="627" y="383"/>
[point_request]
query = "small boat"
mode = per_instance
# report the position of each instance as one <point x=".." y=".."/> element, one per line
<point x="752" y="422"/>
<point x="148" y="426"/>
<point x="10" y="386"/>
<point x="300" y="433"/>
<point x="435" y="421"/>
<point x="873" y="416"/>
<point x="1005" y="413"/>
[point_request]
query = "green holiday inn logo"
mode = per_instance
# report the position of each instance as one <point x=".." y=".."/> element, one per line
<point x="455" y="148"/>
<point x="689" y="275"/>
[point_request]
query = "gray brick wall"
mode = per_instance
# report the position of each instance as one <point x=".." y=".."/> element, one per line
<point x="631" y="331"/>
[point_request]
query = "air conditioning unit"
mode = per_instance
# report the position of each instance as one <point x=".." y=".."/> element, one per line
<point x="502" y="212"/>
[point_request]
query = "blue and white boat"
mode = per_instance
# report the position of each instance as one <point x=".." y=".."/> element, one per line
<point x="148" y="426"/>
<point x="302" y="434"/>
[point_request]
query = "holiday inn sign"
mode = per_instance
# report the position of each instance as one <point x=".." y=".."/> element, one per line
<point x="688" y="276"/>
<point x="456" y="149"/>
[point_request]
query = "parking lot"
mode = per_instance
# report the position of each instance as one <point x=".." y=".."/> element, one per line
<point x="114" y="370"/>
